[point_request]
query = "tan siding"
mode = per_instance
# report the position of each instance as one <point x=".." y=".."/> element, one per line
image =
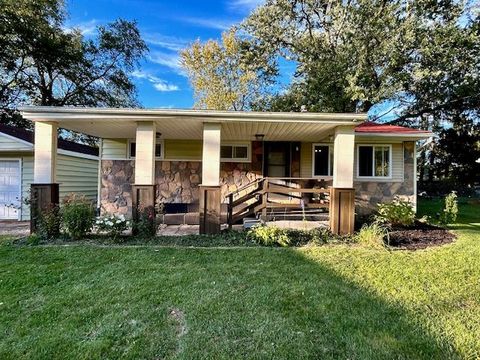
<point x="114" y="148"/>
<point x="397" y="162"/>
<point x="77" y="175"/>
<point x="306" y="160"/>
<point x="9" y="144"/>
<point x="183" y="149"/>
<point x="27" y="179"/>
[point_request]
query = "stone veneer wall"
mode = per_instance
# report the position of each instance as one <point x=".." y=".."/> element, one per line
<point x="370" y="193"/>
<point x="177" y="181"/>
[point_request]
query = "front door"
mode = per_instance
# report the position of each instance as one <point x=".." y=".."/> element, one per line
<point x="9" y="189"/>
<point x="277" y="158"/>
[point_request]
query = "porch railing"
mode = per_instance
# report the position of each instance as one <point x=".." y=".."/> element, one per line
<point x="276" y="193"/>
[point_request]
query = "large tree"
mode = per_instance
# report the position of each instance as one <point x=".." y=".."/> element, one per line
<point x="43" y="63"/>
<point x="226" y="75"/>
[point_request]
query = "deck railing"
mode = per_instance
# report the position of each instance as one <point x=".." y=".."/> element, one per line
<point x="276" y="193"/>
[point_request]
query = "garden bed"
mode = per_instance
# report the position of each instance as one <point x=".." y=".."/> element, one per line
<point x="420" y="236"/>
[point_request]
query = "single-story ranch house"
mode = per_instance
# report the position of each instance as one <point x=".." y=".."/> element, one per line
<point x="214" y="167"/>
<point x="76" y="170"/>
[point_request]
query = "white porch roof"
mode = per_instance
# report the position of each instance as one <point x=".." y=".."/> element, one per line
<point x="188" y="124"/>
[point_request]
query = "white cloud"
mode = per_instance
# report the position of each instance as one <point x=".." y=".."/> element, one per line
<point x="86" y="28"/>
<point x="169" y="60"/>
<point x="246" y="5"/>
<point x="172" y="43"/>
<point x="158" y="84"/>
<point x="218" y="24"/>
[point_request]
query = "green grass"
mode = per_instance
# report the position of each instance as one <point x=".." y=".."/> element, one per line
<point x="329" y="302"/>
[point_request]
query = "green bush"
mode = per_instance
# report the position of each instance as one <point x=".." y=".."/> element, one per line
<point x="398" y="212"/>
<point x="48" y="223"/>
<point x="373" y="235"/>
<point x="78" y="216"/>
<point x="112" y="225"/>
<point x="450" y="210"/>
<point x="145" y="226"/>
<point x="268" y="236"/>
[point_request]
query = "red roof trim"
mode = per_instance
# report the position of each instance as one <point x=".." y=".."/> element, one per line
<point x="372" y="127"/>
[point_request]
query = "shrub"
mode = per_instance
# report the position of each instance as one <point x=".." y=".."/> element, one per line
<point x="372" y="235"/>
<point x="268" y="236"/>
<point x="145" y="225"/>
<point x="48" y="223"/>
<point x="112" y="225"/>
<point x="398" y="212"/>
<point x="450" y="210"/>
<point x="78" y="215"/>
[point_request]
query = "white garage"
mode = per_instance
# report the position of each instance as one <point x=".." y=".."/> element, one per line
<point x="77" y="171"/>
<point x="10" y="189"/>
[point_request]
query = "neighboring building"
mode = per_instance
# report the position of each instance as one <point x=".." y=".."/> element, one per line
<point x="77" y="170"/>
<point x="178" y="156"/>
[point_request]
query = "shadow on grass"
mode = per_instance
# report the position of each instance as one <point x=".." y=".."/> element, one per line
<point x="294" y="307"/>
<point x="248" y="303"/>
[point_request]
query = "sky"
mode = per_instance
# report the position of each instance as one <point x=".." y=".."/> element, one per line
<point x="167" y="26"/>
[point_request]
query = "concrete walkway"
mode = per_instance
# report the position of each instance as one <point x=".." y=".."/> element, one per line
<point x="14" y="228"/>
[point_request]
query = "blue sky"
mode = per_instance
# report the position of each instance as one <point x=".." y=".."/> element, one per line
<point x="167" y="27"/>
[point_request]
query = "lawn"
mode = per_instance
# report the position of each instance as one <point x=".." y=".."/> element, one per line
<point x="329" y="302"/>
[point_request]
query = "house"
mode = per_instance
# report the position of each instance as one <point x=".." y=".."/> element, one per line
<point x="76" y="164"/>
<point x="213" y="167"/>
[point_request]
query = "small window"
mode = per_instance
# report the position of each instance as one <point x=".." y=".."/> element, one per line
<point x="234" y="152"/>
<point x="322" y="160"/>
<point x="374" y="161"/>
<point x="158" y="149"/>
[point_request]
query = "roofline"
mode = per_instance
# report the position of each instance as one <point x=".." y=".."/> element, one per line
<point x="413" y="135"/>
<point x="52" y="113"/>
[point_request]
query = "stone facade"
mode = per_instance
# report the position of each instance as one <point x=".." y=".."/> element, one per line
<point x="177" y="181"/>
<point x="116" y="193"/>
<point x="370" y="193"/>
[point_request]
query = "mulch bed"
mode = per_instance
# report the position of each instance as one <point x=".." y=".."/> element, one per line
<point x="420" y="236"/>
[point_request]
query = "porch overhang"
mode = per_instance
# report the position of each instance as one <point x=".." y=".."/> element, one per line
<point x="188" y="124"/>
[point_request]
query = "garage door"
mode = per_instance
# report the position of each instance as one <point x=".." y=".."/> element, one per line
<point x="10" y="199"/>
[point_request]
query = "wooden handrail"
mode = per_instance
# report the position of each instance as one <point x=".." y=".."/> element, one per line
<point x="264" y="187"/>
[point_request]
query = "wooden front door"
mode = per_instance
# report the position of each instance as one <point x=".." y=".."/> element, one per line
<point x="277" y="157"/>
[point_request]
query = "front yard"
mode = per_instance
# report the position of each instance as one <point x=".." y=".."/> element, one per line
<point x="334" y="301"/>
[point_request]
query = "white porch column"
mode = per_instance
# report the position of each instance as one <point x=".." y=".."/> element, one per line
<point x="145" y="153"/>
<point x="343" y="157"/>
<point x="45" y="155"/>
<point x="210" y="193"/>
<point x="211" y="154"/>
<point x="342" y="194"/>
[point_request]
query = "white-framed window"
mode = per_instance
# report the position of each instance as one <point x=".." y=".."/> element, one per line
<point x="159" y="148"/>
<point x="374" y="161"/>
<point x="322" y="160"/>
<point x="235" y="152"/>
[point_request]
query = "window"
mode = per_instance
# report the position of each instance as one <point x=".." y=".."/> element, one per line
<point x="158" y="149"/>
<point x="374" y="160"/>
<point x="322" y="160"/>
<point x="235" y="152"/>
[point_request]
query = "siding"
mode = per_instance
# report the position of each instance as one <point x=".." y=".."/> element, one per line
<point x="8" y="144"/>
<point x="114" y="148"/>
<point x="74" y="175"/>
<point x="183" y="149"/>
<point x="306" y="160"/>
<point x="397" y="161"/>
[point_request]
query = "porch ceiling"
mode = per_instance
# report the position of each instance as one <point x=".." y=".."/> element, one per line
<point x="188" y="124"/>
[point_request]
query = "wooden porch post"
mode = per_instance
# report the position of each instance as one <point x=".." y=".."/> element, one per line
<point x="44" y="192"/>
<point x="210" y="194"/>
<point x="143" y="191"/>
<point x="342" y="194"/>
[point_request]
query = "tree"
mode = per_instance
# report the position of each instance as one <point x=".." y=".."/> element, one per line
<point x="42" y="63"/>
<point x="223" y="75"/>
